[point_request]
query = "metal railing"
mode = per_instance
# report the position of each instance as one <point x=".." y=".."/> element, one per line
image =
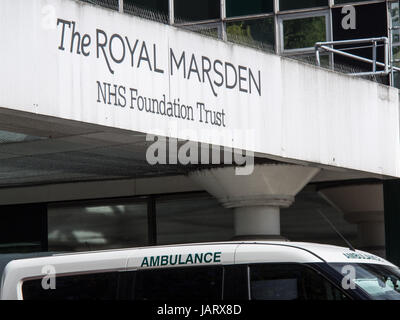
<point x="373" y="43"/>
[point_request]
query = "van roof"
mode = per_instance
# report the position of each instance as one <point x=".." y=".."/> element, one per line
<point x="324" y="252"/>
<point x="192" y="254"/>
<point x="8" y="257"/>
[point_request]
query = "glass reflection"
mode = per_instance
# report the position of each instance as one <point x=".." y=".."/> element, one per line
<point x="82" y="228"/>
<point x="303" y="32"/>
<point x="252" y="31"/>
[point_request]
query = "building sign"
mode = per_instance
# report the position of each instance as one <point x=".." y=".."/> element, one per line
<point x="75" y="61"/>
<point x="138" y="54"/>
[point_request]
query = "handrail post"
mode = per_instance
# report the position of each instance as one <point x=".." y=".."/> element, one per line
<point x="171" y="13"/>
<point x="388" y="57"/>
<point x="317" y="57"/>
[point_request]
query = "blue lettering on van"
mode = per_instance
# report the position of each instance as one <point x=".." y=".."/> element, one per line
<point x="361" y="256"/>
<point x="178" y="259"/>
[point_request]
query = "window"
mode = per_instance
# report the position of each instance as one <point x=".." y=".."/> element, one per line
<point x="300" y="4"/>
<point x="300" y="32"/>
<point x="252" y="31"/>
<point x="192" y="219"/>
<point x="290" y="282"/>
<point x="380" y="282"/>
<point x="395" y="18"/>
<point x="303" y="33"/>
<point x="236" y="282"/>
<point x="193" y="10"/>
<point x="208" y="29"/>
<point x="133" y="222"/>
<point x="91" y="226"/>
<point x="349" y="1"/>
<point x="178" y="284"/>
<point x="29" y="236"/>
<point x="99" y="286"/>
<point x="160" y="6"/>
<point x="111" y="4"/>
<point x="396" y="57"/>
<point x="236" y="8"/>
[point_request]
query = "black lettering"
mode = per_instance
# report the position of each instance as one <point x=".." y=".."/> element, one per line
<point x="232" y="67"/>
<point x="201" y="107"/>
<point x="206" y="71"/>
<point x="241" y="68"/>
<point x="73" y="38"/>
<point x="121" y="93"/>
<point x="102" y="46"/>
<point x="144" y="55"/>
<point x="86" y="40"/>
<point x="223" y="118"/>
<point x="102" y="92"/>
<point x="117" y="36"/>
<point x="193" y="68"/>
<point x="134" y="93"/>
<point x="112" y="94"/>
<point x="155" y="60"/>
<point x="64" y="23"/>
<point x="178" y="64"/>
<point x="218" y="84"/>
<point x="132" y="51"/>
<point x="251" y="77"/>
<point x="217" y="118"/>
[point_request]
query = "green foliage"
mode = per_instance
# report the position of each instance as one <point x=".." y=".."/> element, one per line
<point x="304" y="33"/>
<point x="250" y="31"/>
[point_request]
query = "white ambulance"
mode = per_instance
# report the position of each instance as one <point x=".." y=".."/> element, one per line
<point x="239" y="271"/>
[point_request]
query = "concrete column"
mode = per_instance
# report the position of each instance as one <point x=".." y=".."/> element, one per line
<point x="362" y="205"/>
<point x="257" y="198"/>
<point x="391" y="191"/>
<point x="258" y="220"/>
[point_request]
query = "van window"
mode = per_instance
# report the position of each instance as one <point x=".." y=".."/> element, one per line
<point x="290" y="282"/>
<point x="178" y="284"/>
<point x="380" y="282"/>
<point x="99" y="286"/>
<point x="236" y="286"/>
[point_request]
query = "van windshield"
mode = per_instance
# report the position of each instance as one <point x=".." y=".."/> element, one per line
<point x="379" y="282"/>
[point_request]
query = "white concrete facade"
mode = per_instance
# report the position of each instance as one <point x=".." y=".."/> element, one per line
<point x="301" y="112"/>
